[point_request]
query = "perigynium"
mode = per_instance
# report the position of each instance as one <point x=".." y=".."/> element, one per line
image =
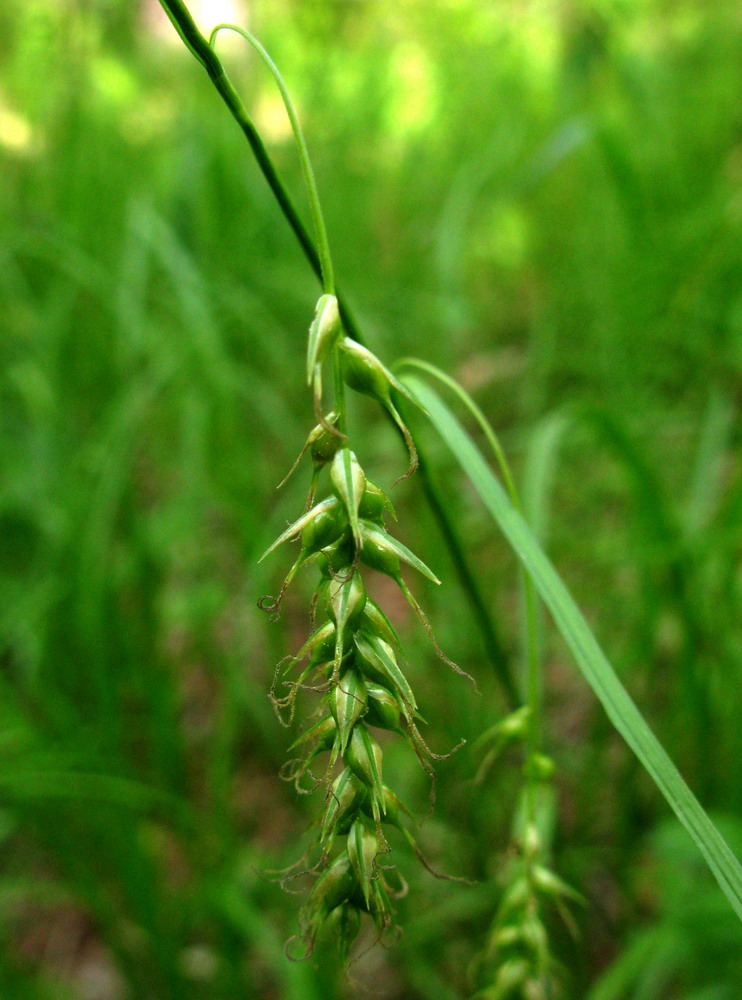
<point x="353" y="658"/>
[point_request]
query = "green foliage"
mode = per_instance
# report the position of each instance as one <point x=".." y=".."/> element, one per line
<point x="542" y="199"/>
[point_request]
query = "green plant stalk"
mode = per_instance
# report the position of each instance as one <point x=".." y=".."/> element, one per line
<point x="183" y="23"/>
<point x="320" y="230"/>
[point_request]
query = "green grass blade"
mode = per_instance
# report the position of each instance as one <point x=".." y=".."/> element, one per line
<point x="621" y="710"/>
<point x="318" y="220"/>
<point x="376" y="534"/>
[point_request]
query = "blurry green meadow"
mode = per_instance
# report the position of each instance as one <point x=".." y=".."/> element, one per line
<point x="543" y="199"/>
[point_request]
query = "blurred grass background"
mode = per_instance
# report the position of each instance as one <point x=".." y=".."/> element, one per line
<point x="543" y="198"/>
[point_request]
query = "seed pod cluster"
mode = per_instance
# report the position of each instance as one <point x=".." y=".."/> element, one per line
<point x="518" y="963"/>
<point x="352" y="659"/>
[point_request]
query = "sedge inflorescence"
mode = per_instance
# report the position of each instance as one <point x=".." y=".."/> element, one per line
<point x="352" y="657"/>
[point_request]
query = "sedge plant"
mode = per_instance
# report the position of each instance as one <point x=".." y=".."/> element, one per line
<point x="353" y="659"/>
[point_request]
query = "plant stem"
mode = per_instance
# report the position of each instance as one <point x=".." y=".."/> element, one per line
<point x="320" y="230"/>
<point x="200" y="48"/>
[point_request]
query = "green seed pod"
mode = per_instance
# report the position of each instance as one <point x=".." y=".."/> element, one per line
<point x="349" y="483"/>
<point x="375" y="622"/>
<point x="323" y="333"/>
<point x="513" y="727"/>
<point x="498" y="737"/>
<point x="378" y="555"/>
<point x="532" y="843"/>
<point x="346" y="797"/>
<point x="510" y="975"/>
<point x="321" y="641"/>
<point x="506" y="937"/>
<point x="323" y="731"/>
<point x="538" y="988"/>
<point x="382" y="552"/>
<point x="541" y="767"/>
<point x="334" y="886"/>
<point x="324" y="529"/>
<point x="337" y="559"/>
<point x="344" y="925"/>
<point x="393" y="808"/>
<point x="383" y="709"/>
<point x="516" y="896"/>
<point x="534" y="936"/>
<point x="329" y="647"/>
<point x="325" y="506"/>
<point x="348" y="703"/>
<point x="363" y="757"/>
<point x="373" y="504"/>
<point x="369" y="663"/>
<point x="364" y="373"/>
<point x="376" y="661"/>
<point x="380" y="907"/>
<point x="347" y="601"/>
<point x="551" y="885"/>
<point x="345" y="608"/>
<point x="322" y="444"/>
<point x="322" y="590"/>
<point x="363" y="846"/>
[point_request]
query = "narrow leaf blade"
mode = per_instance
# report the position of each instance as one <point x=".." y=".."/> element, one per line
<point x="596" y="669"/>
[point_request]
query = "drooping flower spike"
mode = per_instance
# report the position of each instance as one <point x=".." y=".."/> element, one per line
<point x="352" y="659"/>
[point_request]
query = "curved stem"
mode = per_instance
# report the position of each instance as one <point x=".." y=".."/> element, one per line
<point x="533" y="685"/>
<point x="184" y="24"/>
<point x="320" y="230"/>
<point x="476" y="412"/>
